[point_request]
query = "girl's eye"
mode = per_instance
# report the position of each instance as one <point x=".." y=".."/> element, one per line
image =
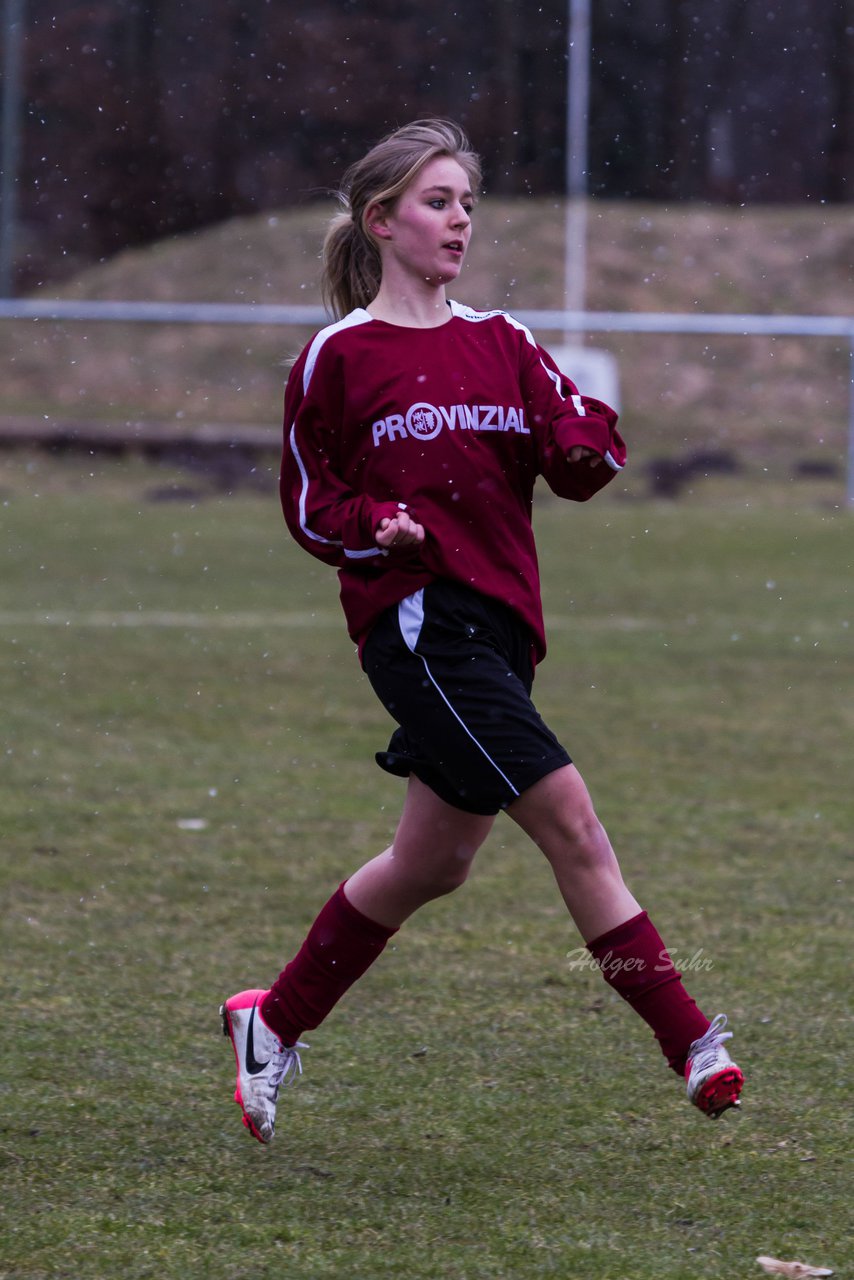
<point x="441" y="204"/>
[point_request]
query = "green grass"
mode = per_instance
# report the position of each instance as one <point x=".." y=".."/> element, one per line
<point x="477" y="1107"/>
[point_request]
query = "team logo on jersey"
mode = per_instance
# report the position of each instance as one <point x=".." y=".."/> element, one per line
<point x="424" y="421"/>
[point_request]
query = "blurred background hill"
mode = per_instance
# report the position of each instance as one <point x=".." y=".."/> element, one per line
<point x="773" y="401"/>
<point x="138" y="119"/>
<point x="185" y="152"/>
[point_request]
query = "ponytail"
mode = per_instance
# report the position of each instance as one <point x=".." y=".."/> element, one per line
<point x="352" y="269"/>
<point x="351" y="266"/>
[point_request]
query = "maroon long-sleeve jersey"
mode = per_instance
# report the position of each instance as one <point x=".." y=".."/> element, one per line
<point x="454" y="424"/>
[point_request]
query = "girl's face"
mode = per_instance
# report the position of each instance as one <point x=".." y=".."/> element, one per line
<point x="427" y="233"/>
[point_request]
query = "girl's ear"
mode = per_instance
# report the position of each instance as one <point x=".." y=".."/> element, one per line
<point x="376" y="220"/>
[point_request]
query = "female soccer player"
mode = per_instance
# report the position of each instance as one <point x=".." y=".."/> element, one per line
<point x="415" y="428"/>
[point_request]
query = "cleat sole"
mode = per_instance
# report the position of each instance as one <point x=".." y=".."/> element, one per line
<point x="721" y="1093"/>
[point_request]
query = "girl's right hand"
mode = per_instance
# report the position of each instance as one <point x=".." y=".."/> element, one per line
<point x="400" y="531"/>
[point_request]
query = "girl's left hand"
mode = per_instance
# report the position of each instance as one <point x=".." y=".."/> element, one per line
<point x="579" y="451"/>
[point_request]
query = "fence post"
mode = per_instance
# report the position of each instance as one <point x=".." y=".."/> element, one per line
<point x="10" y="141"/>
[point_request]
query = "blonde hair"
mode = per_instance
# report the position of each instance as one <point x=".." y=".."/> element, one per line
<point x="351" y="262"/>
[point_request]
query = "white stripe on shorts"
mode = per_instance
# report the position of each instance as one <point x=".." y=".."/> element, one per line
<point x="410" y="614"/>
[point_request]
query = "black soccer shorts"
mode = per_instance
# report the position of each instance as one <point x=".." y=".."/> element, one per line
<point x="453" y="668"/>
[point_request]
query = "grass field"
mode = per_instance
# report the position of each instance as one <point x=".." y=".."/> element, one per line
<point x="478" y="1107"/>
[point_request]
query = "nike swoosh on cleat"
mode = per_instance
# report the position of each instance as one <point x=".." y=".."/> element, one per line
<point x="253" y="1066"/>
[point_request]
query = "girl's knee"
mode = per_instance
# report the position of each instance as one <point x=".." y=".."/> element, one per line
<point x="576" y="836"/>
<point x="452" y="870"/>
<point x="435" y="875"/>
<point x="450" y="878"/>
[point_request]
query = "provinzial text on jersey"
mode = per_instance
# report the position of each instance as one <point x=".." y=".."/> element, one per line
<point x="424" y="421"/>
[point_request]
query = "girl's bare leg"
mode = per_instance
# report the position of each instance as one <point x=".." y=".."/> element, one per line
<point x="431" y="855"/>
<point x="557" y="813"/>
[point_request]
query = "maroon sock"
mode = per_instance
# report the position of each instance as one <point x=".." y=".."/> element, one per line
<point x="635" y="962"/>
<point x="341" y="944"/>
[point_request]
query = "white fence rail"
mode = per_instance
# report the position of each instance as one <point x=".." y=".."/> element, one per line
<point x="565" y="321"/>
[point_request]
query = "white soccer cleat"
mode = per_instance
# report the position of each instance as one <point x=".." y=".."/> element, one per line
<point x="714" y="1081"/>
<point x="263" y="1062"/>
